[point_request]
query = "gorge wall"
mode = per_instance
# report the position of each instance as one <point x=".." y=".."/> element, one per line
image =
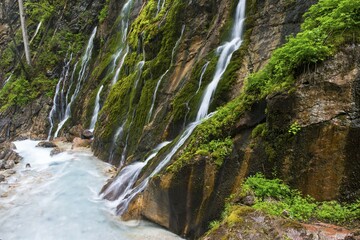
<point x="154" y="60"/>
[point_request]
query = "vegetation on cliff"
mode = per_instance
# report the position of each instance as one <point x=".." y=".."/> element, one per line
<point x="327" y="26"/>
<point x="53" y="38"/>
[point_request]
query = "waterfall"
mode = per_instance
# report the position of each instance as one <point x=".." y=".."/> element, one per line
<point x="162" y="76"/>
<point x="154" y="96"/>
<point x="120" y="130"/>
<point x="57" y="100"/>
<point x="7" y="80"/>
<point x="96" y="110"/>
<point x="118" y="70"/>
<point x="125" y="18"/>
<point x="129" y="175"/>
<point x="84" y="64"/>
<point x="36" y="31"/>
<point x="160" y="5"/>
<point x="226" y="50"/>
<point x="203" y="70"/>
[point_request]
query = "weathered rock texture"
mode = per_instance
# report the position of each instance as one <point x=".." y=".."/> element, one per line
<point x="245" y="223"/>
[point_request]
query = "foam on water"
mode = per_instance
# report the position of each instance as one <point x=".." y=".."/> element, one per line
<point x="56" y="199"/>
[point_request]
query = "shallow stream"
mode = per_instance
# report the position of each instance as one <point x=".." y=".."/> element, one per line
<point x="57" y="198"/>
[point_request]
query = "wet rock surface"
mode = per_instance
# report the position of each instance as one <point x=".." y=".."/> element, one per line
<point x="87" y="134"/>
<point x="8" y="160"/>
<point x="46" y="144"/>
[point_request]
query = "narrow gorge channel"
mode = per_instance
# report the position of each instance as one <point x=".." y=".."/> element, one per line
<point x="57" y="198"/>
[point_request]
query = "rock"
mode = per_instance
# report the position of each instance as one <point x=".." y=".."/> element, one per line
<point x="2" y="164"/>
<point x="248" y="200"/>
<point x="87" y="134"/>
<point x="46" y="144"/>
<point x="55" y="151"/>
<point x="74" y="132"/>
<point x="79" y="143"/>
<point x="12" y="146"/>
<point x="9" y="164"/>
<point x="2" y="178"/>
<point x="10" y="172"/>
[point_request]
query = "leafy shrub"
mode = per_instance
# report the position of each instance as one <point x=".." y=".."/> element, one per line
<point x="275" y="198"/>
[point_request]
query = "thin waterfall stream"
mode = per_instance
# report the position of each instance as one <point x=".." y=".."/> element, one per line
<point x="122" y="199"/>
<point x="57" y="199"/>
<point x="96" y="109"/>
<point x="84" y="65"/>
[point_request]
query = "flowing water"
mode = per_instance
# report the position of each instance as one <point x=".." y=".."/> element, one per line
<point x="57" y="199"/>
<point x="96" y="109"/>
<point x="84" y="64"/>
<point x="59" y="95"/>
<point x="203" y="70"/>
<point x="123" y="48"/>
<point x="7" y="80"/>
<point x="118" y="70"/>
<point x="36" y="31"/>
<point x="162" y="76"/>
<point x="226" y="50"/>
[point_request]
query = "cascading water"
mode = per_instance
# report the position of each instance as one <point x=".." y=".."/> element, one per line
<point x="226" y="52"/>
<point x="162" y="76"/>
<point x="160" y="5"/>
<point x="96" y="109"/>
<point x="123" y="48"/>
<point x="121" y="63"/>
<point x="7" y="80"/>
<point x="84" y="64"/>
<point x="119" y="132"/>
<point x="58" y="97"/>
<point x="36" y="31"/>
<point x="154" y="96"/>
<point x="203" y="70"/>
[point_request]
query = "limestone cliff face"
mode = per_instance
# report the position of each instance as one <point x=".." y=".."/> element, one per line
<point x="156" y="94"/>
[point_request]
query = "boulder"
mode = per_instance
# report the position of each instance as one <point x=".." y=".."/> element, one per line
<point x="46" y="144"/>
<point x="81" y="143"/>
<point x="2" y="178"/>
<point x="9" y="164"/>
<point x="2" y="164"/>
<point x="55" y="151"/>
<point x="87" y="134"/>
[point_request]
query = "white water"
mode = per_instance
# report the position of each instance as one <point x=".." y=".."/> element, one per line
<point x="160" y="5"/>
<point x="57" y="199"/>
<point x="84" y="64"/>
<point x="96" y="109"/>
<point x="36" y="31"/>
<point x="118" y="70"/>
<point x="128" y="176"/>
<point x="203" y="70"/>
<point x="57" y="100"/>
<point x="154" y="96"/>
<point x="162" y="76"/>
<point x="120" y="130"/>
<point x="7" y="80"/>
<point x="125" y="18"/>
<point x="226" y="52"/>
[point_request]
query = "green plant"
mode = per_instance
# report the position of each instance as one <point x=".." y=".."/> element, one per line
<point x="294" y="128"/>
<point x="274" y="197"/>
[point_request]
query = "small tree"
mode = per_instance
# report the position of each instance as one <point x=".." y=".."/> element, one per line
<point x="24" y="32"/>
